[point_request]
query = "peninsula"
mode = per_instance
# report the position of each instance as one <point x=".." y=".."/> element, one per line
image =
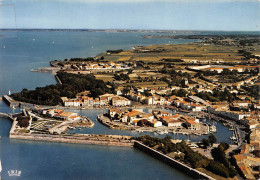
<point x="215" y="79"/>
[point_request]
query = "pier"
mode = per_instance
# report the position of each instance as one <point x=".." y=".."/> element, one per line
<point x="108" y="140"/>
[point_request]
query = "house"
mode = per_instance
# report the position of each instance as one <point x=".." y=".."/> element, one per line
<point x="159" y="114"/>
<point x="135" y="115"/>
<point x="195" y="107"/>
<point x="241" y="103"/>
<point x="67" y="115"/>
<point x="172" y="121"/>
<point x="113" y="112"/>
<point x="70" y="102"/>
<point x="191" y="122"/>
<point x="155" y="123"/>
<point x="149" y="100"/>
<point x="120" y="101"/>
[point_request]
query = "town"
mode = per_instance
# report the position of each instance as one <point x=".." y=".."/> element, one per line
<point x="183" y="85"/>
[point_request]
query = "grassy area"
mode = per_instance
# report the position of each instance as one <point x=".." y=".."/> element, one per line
<point x="196" y="51"/>
<point x="23" y="131"/>
<point x="105" y="77"/>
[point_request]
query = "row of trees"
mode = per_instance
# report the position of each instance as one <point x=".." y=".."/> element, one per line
<point x="191" y="157"/>
<point x="226" y="71"/>
<point x="71" y="85"/>
<point x="209" y="141"/>
<point x="121" y="77"/>
<point x="219" y="155"/>
<point x="217" y="96"/>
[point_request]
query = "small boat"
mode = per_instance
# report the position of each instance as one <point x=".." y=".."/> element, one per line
<point x="231" y="129"/>
<point x="0" y="166"/>
<point x="212" y="128"/>
<point x="161" y="132"/>
<point x="71" y="128"/>
<point x="233" y="138"/>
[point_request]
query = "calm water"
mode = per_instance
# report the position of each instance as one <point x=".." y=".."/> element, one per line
<point x="222" y="133"/>
<point x="22" y="51"/>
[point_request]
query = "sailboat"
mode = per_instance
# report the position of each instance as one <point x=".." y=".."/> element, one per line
<point x="0" y="167"/>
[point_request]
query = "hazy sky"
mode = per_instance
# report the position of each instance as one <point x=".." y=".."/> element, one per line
<point x="132" y="14"/>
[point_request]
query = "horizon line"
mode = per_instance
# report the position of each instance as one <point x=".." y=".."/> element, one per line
<point x="119" y="29"/>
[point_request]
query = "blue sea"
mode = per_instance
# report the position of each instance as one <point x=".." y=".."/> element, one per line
<point x="21" y="51"/>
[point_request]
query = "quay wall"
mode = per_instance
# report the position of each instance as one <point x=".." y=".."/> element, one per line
<point x="192" y="172"/>
<point x="4" y="115"/>
<point x="72" y="139"/>
<point x="10" y="102"/>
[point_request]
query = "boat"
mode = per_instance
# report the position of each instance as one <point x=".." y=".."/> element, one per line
<point x="71" y="128"/>
<point x="212" y="128"/>
<point x="161" y="132"/>
<point x="83" y="108"/>
<point x="233" y="137"/>
<point x="203" y="119"/>
<point x="231" y="129"/>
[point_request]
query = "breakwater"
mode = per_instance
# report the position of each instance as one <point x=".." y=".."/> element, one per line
<point x="193" y="172"/>
<point x="4" y="115"/>
<point x="14" y="104"/>
<point x="108" y="140"/>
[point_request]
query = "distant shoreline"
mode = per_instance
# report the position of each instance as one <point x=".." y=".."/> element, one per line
<point x="124" y="30"/>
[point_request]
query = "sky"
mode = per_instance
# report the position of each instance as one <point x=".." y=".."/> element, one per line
<point x="226" y="15"/>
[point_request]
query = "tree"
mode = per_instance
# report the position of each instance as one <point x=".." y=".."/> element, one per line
<point x="205" y="142"/>
<point x="212" y="139"/>
<point x="182" y="93"/>
<point x="23" y="121"/>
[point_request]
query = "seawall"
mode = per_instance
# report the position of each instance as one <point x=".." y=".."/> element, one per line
<point x="10" y="102"/>
<point x="192" y="172"/>
<point x="84" y="139"/>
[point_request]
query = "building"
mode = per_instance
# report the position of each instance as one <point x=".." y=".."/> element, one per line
<point x="172" y="121"/>
<point x="120" y="101"/>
